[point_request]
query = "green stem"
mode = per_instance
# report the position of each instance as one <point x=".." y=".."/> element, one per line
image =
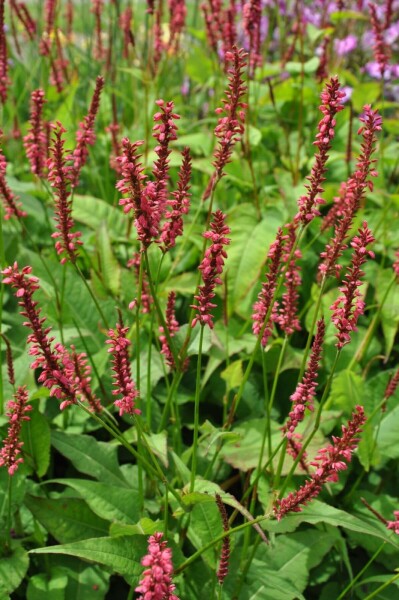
<point x="366" y="566"/>
<point x="358" y="356"/>
<point x="382" y="587"/>
<point x="196" y="411"/>
<point x="96" y="303"/>
<point x="218" y="539"/>
<point x="311" y="330"/>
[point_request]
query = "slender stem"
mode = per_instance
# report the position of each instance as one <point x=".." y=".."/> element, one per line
<point x="96" y="303"/>
<point x="218" y="539"/>
<point x="2" y="266"/>
<point x="196" y="411"/>
<point x="154" y="470"/>
<point x="358" y="356"/>
<point x="159" y="311"/>
<point x="382" y="587"/>
<point x="366" y="566"/>
<point x="311" y="330"/>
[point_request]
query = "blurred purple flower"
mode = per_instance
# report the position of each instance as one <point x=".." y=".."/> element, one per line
<point x="373" y="69"/>
<point x="346" y="45"/>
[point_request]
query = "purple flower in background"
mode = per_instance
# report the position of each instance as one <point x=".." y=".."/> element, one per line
<point x="348" y="91"/>
<point x="392" y="33"/>
<point x="346" y="45"/>
<point x="373" y="69"/>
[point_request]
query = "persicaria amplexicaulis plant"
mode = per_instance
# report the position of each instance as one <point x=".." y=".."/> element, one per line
<point x="350" y="305"/>
<point x="328" y="462"/>
<point x="60" y="176"/>
<point x="211" y="269"/>
<point x="10" y="453"/>
<point x="226" y="372"/>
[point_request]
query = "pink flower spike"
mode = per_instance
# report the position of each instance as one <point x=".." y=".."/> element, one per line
<point x="4" y="78"/>
<point x="35" y="140"/>
<point x="303" y="396"/>
<point x="59" y="176"/>
<point x="11" y="450"/>
<point x="85" y="135"/>
<point x="331" y="98"/>
<point x="11" y="204"/>
<point x="381" y="49"/>
<point x="328" y="463"/>
<point x="67" y="377"/>
<point x="263" y="310"/>
<point x="123" y="383"/>
<point x="179" y="206"/>
<point x="349" y="306"/>
<point x="156" y="582"/>
<point x="211" y="268"/>
<point x="287" y="316"/>
<point x="394" y="525"/>
<point x="164" y="131"/>
<point x="351" y="194"/>
<point x="173" y="328"/>
<point x="230" y="128"/>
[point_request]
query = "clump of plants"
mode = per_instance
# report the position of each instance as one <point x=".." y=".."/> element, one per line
<point x="199" y="291"/>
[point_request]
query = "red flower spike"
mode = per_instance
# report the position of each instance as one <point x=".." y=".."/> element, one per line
<point x="331" y="98"/>
<point x="85" y="135"/>
<point x="177" y="21"/>
<point x="223" y="569"/>
<point x="11" y="204"/>
<point x="4" y="78"/>
<point x="382" y="52"/>
<point x="179" y="206"/>
<point x="156" y="582"/>
<point x="124" y="385"/>
<point x="287" y="317"/>
<point x="230" y="128"/>
<point x="304" y="394"/>
<point x="394" y="525"/>
<point x="211" y="269"/>
<point x="252" y="15"/>
<point x="351" y="194"/>
<point x="59" y="176"/>
<point x="328" y="463"/>
<point x="67" y="378"/>
<point x="173" y="327"/>
<point x="164" y="131"/>
<point x="11" y="450"/>
<point x="265" y="296"/>
<point x="35" y="140"/>
<point x="350" y="305"/>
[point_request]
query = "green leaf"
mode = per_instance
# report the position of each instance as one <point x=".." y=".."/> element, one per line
<point x="347" y="390"/>
<point x="66" y="519"/>
<point x="390" y="308"/>
<point x="13" y="568"/>
<point x="205" y="525"/>
<point x="35" y="435"/>
<point x="91" y="457"/>
<point x="144" y="527"/>
<point x="93" y="212"/>
<point x="318" y="512"/>
<point x="120" y="554"/>
<point x="109" y="267"/>
<point x="83" y="580"/>
<point x="233" y="374"/>
<point x="388" y="439"/>
<point x="293" y="556"/>
<point x="108" y="502"/>
<point x="248" y="251"/>
<point x="40" y="587"/>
